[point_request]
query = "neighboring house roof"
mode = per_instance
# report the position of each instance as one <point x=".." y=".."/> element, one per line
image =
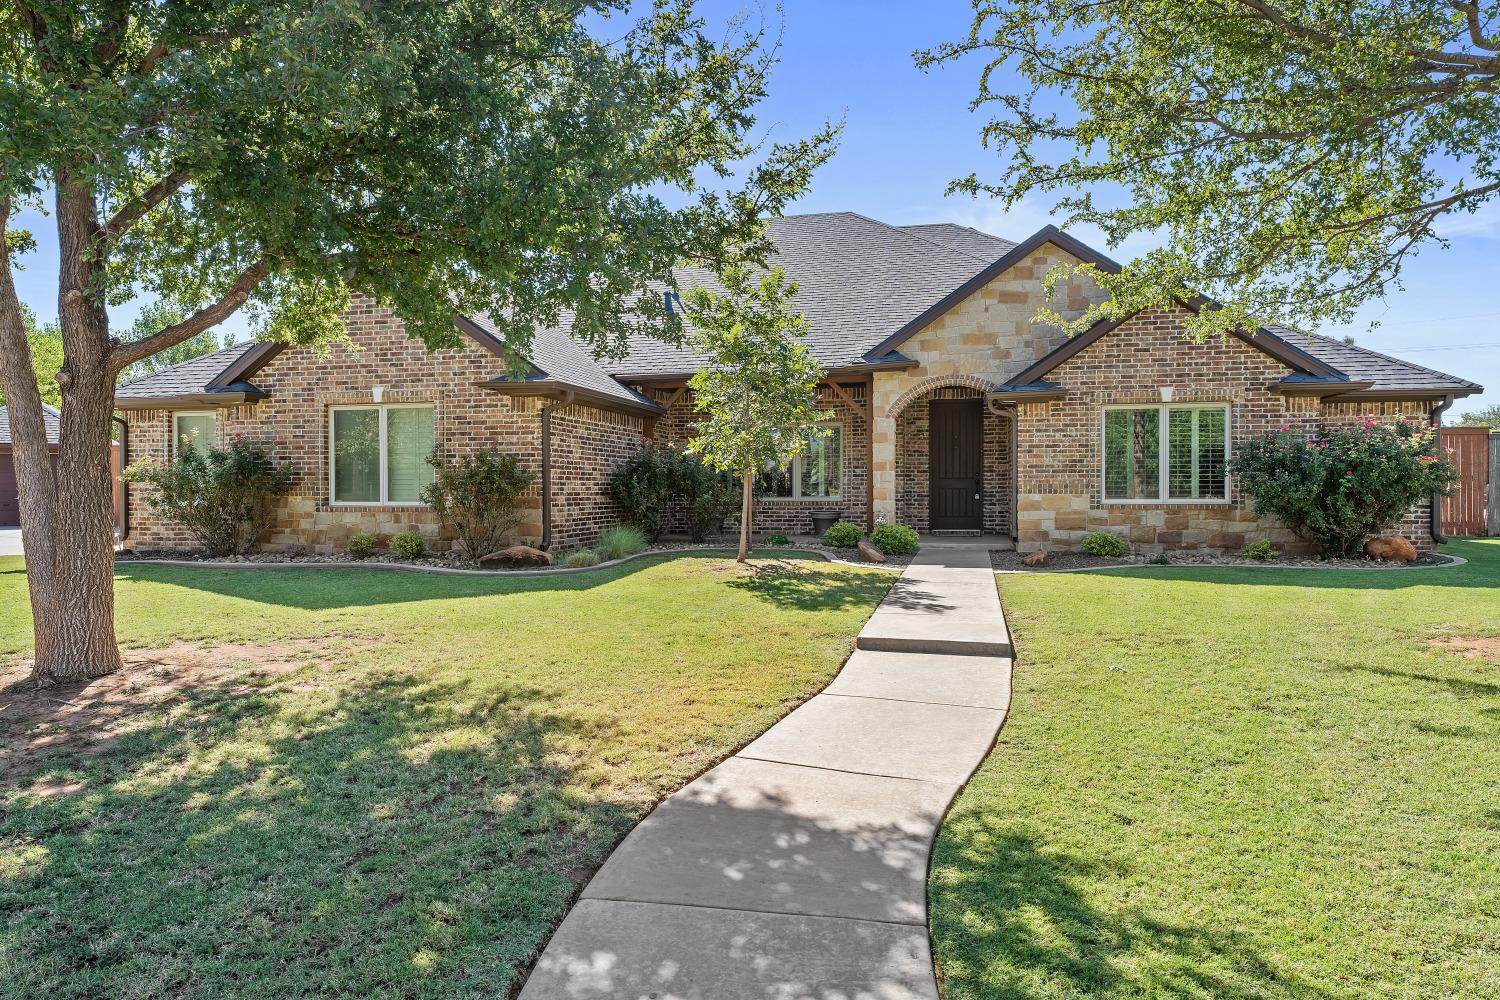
<point x="51" y="419"/>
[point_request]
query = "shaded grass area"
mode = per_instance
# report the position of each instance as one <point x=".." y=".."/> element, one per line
<point x="409" y="812"/>
<point x="1235" y="783"/>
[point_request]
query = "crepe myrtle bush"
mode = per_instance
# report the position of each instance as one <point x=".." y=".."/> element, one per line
<point x="1344" y="483"/>
<point x="222" y="495"/>
<point x="479" y="497"/>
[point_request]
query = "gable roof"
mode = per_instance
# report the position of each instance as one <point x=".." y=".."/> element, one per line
<point x="558" y="360"/>
<point x="196" y="377"/>
<point x="51" y="420"/>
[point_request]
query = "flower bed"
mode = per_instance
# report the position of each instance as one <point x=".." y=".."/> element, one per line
<point x="1007" y="561"/>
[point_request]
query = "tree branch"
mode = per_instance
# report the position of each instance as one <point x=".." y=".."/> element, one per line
<point x="131" y="212"/>
<point x="208" y="316"/>
<point x="1476" y="30"/>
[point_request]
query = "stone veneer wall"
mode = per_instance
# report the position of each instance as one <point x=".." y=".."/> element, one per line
<point x="913" y="479"/>
<point x="786" y="516"/>
<point x="303" y="385"/>
<point x="1058" y="442"/>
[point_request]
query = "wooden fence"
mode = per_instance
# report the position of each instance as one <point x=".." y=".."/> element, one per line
<point x="1474" y="509"/>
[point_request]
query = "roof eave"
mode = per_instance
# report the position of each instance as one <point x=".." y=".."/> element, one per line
<point x="1385" y="395"/>
<point x="1320" y="387"/>
<point x="553" y="389"/>
<point x="218" y="399"/>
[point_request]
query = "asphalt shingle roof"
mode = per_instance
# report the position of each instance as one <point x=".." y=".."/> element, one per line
<point x="191" y="376"/>
<point x="562" y="359"/>
<point x="51" y="419"/>
<point x="963" y="238"/>
<point x="1364" y="365"/>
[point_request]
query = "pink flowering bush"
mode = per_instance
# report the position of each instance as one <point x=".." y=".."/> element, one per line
<point x="1345" y="483"/>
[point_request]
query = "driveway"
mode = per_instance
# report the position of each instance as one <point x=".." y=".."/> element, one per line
<point x="10" y="541"/>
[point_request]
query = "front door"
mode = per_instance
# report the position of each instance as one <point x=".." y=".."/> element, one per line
<point x="956" y="462"/>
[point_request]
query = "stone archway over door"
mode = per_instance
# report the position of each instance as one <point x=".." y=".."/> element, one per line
<point x="955" y="461"/>
<point x="913" y="467"/>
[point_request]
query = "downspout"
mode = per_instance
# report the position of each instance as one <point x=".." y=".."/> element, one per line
<point x="563" y="400"/>
<point x="1435" y="512"/>
<point x="124" y="486"/>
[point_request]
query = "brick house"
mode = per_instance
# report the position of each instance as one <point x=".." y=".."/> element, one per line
<point x="950" y="409"/>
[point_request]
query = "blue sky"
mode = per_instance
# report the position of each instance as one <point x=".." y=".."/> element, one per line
<point x="909" y="133"/>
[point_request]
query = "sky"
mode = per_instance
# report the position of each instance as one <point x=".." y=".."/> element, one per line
<point x="909" y="133"/>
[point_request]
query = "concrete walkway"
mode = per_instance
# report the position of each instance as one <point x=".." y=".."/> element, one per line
<point x="797" y="869"/>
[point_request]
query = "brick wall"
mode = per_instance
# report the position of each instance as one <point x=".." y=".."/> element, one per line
<point x="587" y="445"/>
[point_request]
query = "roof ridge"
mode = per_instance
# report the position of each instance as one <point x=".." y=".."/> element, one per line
<point x="1374" y="353"/>
<point x="923" y="239"/>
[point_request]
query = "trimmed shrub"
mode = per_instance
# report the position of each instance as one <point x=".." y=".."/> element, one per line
<point x="361" y="546"/>
<point x="222" y="495"/>
<point x="1261" y="549"/>
<point x="579" y="558"/>
<point x="619" y="541"/>
<point x="1102" y="543"/>
<point x="479" y="498"/>
<point x="894" y="539"/>
<point x="408" y="545"/>
<point x="706" y="495"/>
<point x="1161" y="560"/>
<point x="642" y="488"/>
<point x="1346" y="483"/>
<point x="843" y="535"/>
<point x="778" y="540"/>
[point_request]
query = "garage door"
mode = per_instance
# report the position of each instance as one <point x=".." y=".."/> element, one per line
<point x="10" y="507"/>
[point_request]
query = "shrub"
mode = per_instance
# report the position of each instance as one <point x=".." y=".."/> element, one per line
<point x="894" y="539"/>
<point x="1261" y="549"/>
<point x="1102" y="543"/>
<point x="843" y="535"/>
<point x="579" y="558"/>
<point x="361" y="546"/>
<point x="642" y="488"/>
<point x="619" y="541"/>
<point x="479" y="497"/>
<point x="222" y="495"/>
<point x="706" y="495"/>
<point x="408" y="545"/>
<point x="778" y="540"/>
<point x="1160" y="559"/>
<point x="1346" y="483"/>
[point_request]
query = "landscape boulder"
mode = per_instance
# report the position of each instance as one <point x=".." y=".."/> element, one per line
<point x="870" y="553"/>
<point x="517" y="557"/>
<point x="1391" y="547"/>
<point x="1036" y="558"/>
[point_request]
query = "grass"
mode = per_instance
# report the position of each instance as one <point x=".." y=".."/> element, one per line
<point x="1236" y="783"/>
<point x="407" y="806"/>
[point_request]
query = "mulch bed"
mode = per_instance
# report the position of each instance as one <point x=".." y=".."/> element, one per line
<point x="1001" y="560"/>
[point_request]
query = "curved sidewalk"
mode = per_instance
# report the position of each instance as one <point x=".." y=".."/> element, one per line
<point x="798" y="867"/>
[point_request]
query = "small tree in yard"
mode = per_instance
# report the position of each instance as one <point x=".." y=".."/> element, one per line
<point x="1346" y="483"/>
<point x="759" y="384"/>
<point x="222" y="495"/>
<point x="479" y="497"/>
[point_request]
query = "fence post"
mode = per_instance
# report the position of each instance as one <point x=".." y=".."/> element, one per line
<point x="1492" y="500"/>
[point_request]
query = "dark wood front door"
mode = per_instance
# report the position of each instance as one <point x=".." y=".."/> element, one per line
<point x="956" y="459"/>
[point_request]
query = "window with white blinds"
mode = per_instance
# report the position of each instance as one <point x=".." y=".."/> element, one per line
<point x="378" y="454"/>
<point x="1174" y="453"/>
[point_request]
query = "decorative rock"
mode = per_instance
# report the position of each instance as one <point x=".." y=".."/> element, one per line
<point x="1036" y="558"/>
<point x="1391" y="547"/>
<point x="870" y="553"/>
<point x="517" y="556"/>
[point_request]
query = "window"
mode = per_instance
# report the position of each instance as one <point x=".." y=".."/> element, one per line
<point x="817" y="473"/>
<point x="193" y="430"/>
<point x="1168" y="453"/>
<point x="378" y="454"/>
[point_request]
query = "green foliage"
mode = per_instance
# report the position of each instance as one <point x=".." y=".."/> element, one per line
<point x="479" y="497"/>
<point x="156" y="316"/>
<point x="408" y="545"/>
<point x="361" y="546"/>
<point x="46" y="347"/>
<point x="1260" y="549"/>
<point x="580" y="558"/>
<point x="843" y="534"/>
<point x="1286" y="157"/>
<point x="895" y="539"/>
<point x="1160" y="559"/>
<point x="1347" y="483"/>
<point x="1102" y="543"/>
<point x="660" y="483"/>
<point x="620" y="540"/>
<point x="1485" y="416"/>
<point x="778" y="540"/>
<point x="222" y="495"/>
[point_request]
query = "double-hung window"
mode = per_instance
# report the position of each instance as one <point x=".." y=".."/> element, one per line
<point x="193" y="431"/>
<point x="378" y="454"/>
<point x="1172" y="453"/>
<point x="816" y="474"/>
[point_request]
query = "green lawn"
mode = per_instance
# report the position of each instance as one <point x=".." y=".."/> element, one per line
<point x="1235" y="783"/>
<point x="407" y="808"/>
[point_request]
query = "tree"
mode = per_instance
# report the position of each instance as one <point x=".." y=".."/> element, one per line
<point x="758" y="385"/>
<point x="45" y="344"/>
<point x="1485" y="416"/>
<point x="463" y="157"/>
<point x="159" y="315"/>
<point x="1290" y="153"/>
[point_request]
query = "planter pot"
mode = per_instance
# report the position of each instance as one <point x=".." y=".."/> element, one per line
<point x="822" y="520"/>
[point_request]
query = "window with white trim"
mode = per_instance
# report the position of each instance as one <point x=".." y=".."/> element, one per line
<point x="195" y="430"/>
<point x="378" y="454"/>
<point x="1173" y="453"/>
<point x="816" y="474"/>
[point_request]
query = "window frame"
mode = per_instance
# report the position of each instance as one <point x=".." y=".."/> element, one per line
<point x="1164" y="456"/>
<point x="176" y="442"/>
<point x="795" y="470"/>
<point x="385" y="472"/>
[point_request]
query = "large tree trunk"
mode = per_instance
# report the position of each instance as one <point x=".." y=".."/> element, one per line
<point x="66" y="516"/>
<point x="746" y="514"/>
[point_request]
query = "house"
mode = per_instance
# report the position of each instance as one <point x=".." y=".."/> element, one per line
<point x="950" y="410"/>
<point x="10" y="502"/>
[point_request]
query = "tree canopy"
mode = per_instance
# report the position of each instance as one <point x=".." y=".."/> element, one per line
<point x="46" y="347"/>
<point x="1291" y="155"/>
<point x="1485" y="416"/>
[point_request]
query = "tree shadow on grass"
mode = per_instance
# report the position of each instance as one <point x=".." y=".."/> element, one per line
<point x="1011" y="923"/>
<point x="810" y="586"/>
<point x="403" y="837"/>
